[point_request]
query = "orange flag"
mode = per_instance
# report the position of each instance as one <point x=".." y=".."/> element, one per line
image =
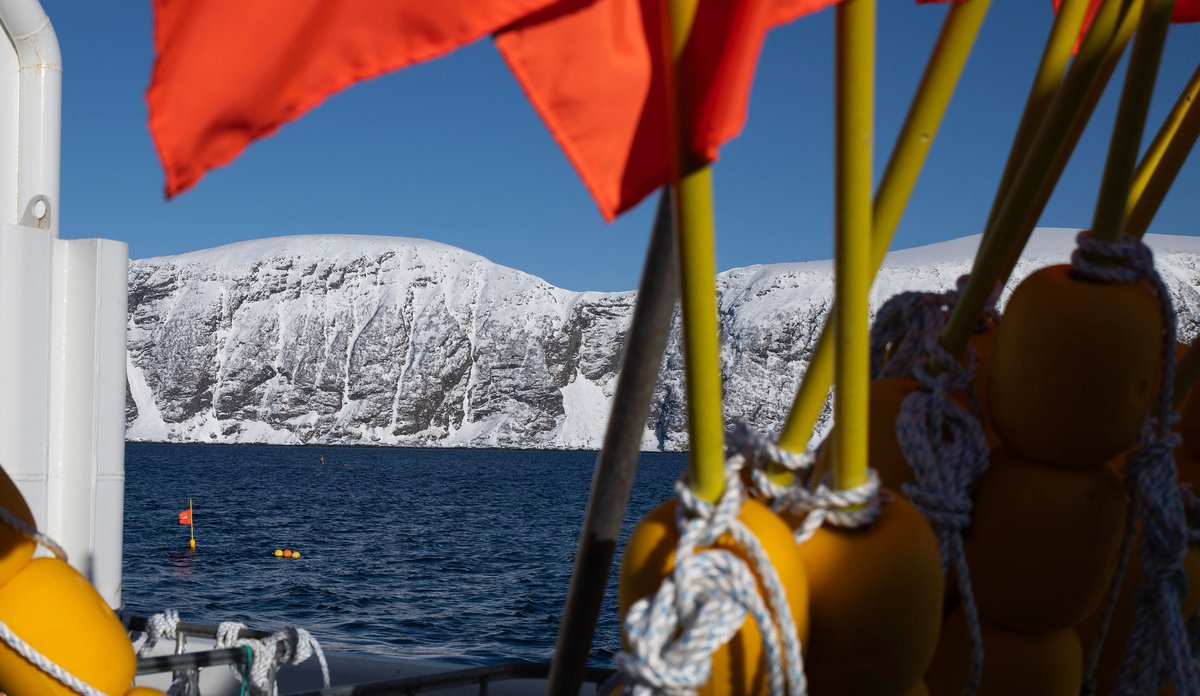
<point x="593" y="70"/>
<point x="1184" y="11"/>
<point x="185" y="517"/>
<point x="229" y="71"/>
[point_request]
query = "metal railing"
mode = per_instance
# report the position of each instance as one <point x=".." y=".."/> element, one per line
<point x="482" y="676"/>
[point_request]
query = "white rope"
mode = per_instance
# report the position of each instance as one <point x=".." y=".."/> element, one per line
<point x="1159" y="645"/>
<point x="31" y="655"/>
<point x="10" y="638"/>
<point x="162" y="625"/>
<point x="7" y="517"/>
<point x="228" y="633"/>
<point x="846" y="508"/>
<point x="947" y="449"/>
<point x="289" y="646"/>
<point x="942" y="442"/>
<point x="758" y="453"/>
<point x="674" y="632"/>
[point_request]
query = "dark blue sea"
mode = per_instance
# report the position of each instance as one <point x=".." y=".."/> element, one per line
<point x="458" y="554"/>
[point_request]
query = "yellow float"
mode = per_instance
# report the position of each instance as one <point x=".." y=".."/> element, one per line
<point x="876" y="603"/>
<point x="1015" y="663"/>
<point x="54" y="611"/>
<point x="1076" y="365"/>
<point x="1043" y="541"/>
<point x="739" y="666"/>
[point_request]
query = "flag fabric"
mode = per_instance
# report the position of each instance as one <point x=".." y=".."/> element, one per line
<point x="593" y="70"/>
<point x="228" y="71"/>
<point x="185" y="517"/>
<point x="1184" y="11"/>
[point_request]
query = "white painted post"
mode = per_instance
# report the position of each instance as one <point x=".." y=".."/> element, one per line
<point x="86" y="481"/>
<point x="25" y="272"/>
<point x="62" y="322"/>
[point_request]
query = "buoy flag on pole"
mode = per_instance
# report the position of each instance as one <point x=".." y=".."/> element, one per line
<point x="228" y="71"/>
<point x="185" y="517"/>
<point x="593" y="70"/>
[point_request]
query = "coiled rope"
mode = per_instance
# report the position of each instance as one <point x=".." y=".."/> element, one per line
<point x="288" y="646"/>
<point x="166" y="625"/>
<point x="943" y="442"/>
<point x="673" y="632"/>
<point x="32" y="534"/>
<point x="947" y="449"/>
<point x="1158" y="643"/>
<point x="14" y="641"/>
<point x="45" y="664"/>
<point x="162" y="625"/>
<point x="847" y="508"/>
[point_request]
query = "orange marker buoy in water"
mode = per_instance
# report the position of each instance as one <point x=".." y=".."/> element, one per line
<point x="287" y="553"/>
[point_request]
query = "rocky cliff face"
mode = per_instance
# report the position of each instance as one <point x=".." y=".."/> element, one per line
<point x="391" y="341"/>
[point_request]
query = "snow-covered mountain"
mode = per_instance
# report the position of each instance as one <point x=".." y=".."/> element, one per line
<point x="393" y="341"/>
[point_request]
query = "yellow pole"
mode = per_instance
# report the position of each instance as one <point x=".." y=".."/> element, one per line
<point x="1131" y="119"/>
<point x="925" y="114"/>
<point x="1011" y="228"/>
<point x="191" y="525"/>
<point x="1055" y="58"/>
<point x="852" y="242"/>
<point x="1164" y="159"/>
<point x="1124" y="33"/>
<point x="695" y="234"/>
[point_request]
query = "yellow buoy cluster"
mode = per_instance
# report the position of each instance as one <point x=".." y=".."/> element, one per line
<point x="286" y="553"/>
<point x="56" y="612"/>
<point x="1066" y="384"/>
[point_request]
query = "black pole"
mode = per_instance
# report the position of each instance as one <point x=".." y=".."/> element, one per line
<point x="617" y="463"/>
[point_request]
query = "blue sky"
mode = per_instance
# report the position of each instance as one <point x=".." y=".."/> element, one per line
<point x="450" y="150"/>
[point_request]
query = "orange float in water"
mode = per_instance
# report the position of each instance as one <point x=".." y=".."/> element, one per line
<point x="1075" y="367"/>
<point x="876" y="603"/>
<point x="1043" y="541"/>
<point x="53" y="608"/>
<point x="739" y="666"/>
<point x="1015" y="664"/>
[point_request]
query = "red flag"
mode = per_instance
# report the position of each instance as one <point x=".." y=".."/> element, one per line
<point x="228" y="71"/>
<point x="593" y="70"/>
<point x="185" y="517"/>
<point x="1184" y="11"/>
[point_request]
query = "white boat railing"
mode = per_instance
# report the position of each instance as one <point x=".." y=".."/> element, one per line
<point x="62" y="321"/>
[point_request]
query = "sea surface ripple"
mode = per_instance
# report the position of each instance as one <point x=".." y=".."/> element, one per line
<point x="462" y="555"/>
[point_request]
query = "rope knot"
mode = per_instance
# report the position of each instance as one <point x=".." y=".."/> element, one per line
<point x="900" y="327"/>
<point x="158" y="626"/>
<point x="674" y="631"/>
<point x="289" y="646"/>
<point x="702" y="523"/>
<point x="759" y="452"/>
<point x="1124" y="261"/>
<point x="848" y="508"/>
